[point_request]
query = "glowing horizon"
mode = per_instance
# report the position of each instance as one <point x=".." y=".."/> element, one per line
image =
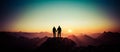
<point x="73" y="17"/>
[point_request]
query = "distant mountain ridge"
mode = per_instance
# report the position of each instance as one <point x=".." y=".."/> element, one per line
<point x="29" y="34"/>
<point x="83" y="43"/>
<point x="109" y="38"/>
<point x="82" y="40"/>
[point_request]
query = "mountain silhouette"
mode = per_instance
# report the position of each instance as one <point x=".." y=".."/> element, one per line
<point x="107" y="42"/>
<point x="82" y="40"/>
<point x="57" y="45"/>
<point x="109" y="38"/>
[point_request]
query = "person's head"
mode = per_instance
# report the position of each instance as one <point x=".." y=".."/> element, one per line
<point x="59" y="26"/>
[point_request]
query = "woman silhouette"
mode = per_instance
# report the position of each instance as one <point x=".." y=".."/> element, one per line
<point x="54" y="32"/>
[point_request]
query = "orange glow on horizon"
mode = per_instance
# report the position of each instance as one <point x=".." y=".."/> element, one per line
<point x="74" y="18"/>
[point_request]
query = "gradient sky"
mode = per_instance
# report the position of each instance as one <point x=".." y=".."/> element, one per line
<point x="74" y="16"/>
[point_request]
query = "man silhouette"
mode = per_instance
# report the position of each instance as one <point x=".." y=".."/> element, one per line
<point x="59" y="31"/>
<point x="54" y="32"/>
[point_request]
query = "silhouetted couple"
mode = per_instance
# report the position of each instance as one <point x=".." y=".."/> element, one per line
<point x="58" y="31"/>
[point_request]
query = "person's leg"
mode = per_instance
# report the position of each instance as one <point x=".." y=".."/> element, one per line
<point x="55" y="35"/>
<point x="60" y="34"/>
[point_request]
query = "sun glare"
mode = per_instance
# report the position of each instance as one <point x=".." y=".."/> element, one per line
<point x="69" y="30"/>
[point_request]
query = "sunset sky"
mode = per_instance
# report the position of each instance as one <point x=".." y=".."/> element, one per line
<point x="74" y="16"/>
